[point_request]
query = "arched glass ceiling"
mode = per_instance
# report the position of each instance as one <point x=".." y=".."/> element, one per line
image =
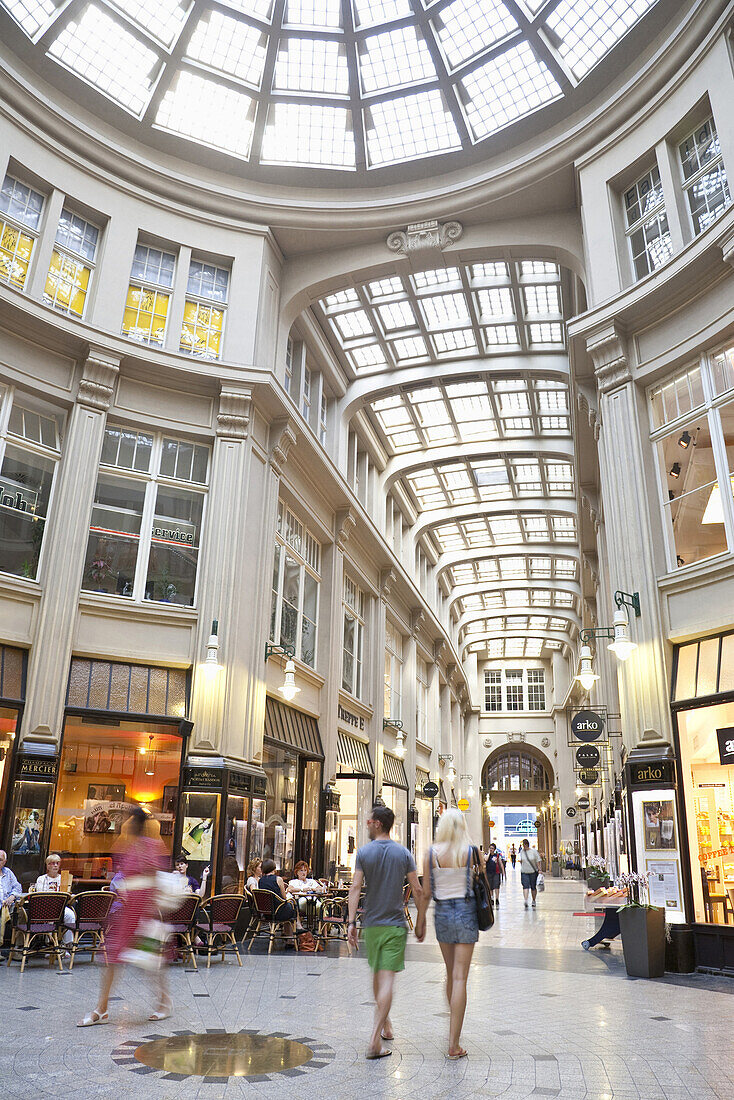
<point x="448" y="313"/>
<point x="329" y="83"/>
<point x="502" y="648"/>
<point x="473" y="481"/>
<point x="494" y="571"/>
<point x="517" y="597"/>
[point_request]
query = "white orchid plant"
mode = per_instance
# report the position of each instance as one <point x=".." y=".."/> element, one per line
<point x="636" y="887"/>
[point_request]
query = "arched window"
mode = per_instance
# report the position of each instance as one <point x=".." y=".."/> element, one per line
<point x="514" y="769"/>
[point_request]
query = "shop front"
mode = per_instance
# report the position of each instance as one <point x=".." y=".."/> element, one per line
<point x="395" y="795"/>
<point x="12" y="692"/>
<point x="123" y="744"/>
<point x="349" y="803"/>
<point x="292" y="760"/>
<point x="703" y="708"/>
<point x="422" y="827"/>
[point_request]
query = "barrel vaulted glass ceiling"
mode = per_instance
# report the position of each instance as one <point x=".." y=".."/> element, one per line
<point x="345" y="84"/>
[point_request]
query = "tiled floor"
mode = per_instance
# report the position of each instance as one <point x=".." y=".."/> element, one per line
<point x="544" y="1019"/>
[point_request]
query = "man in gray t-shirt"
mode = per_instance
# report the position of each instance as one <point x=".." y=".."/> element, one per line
<point x="382" y="866"/>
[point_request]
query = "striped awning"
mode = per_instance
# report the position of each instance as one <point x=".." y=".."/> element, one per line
<point x="292" y="728"/>
<point x="353" y="756"/>
<point x="393" y="772"/>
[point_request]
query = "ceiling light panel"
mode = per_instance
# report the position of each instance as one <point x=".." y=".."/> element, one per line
<point x="543" y="300"/>
<point x="204" y="110"/>
<point x="314" y="65"/>
<point x="163" y="20"/>
<point x="442" y="311"/>
<point x="261" y="9"/>
<point x="316" y="14"/>
<point x="370" y="13"/>
<point x="506" y="88"/>
<point x="393" y="59"/>
<point x="103" y="53"/>
<point x="466" y="28"/>
<point x="309" y="134"/>
<point x="396" y="315"/>
<point x="32" y="15"/>
<point x="409" y="126"/>
<point x="586" y="30"/>
<point x="354" y="323"/>
<point x="441" y="276"/>
<point x="229" y="46"/>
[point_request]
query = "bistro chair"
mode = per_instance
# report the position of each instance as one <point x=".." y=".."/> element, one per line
<point x="407" y="893"/>
<point x="216" y="921"/>
<point x="334" y="919"/>
<point x="252" y="914"/>
<point x="41" y="914"/>
<point x="267" y="907"/>
<point x="92" y="909"/>
<point x="182" y="923"/>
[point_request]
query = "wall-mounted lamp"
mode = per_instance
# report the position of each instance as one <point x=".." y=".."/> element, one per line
<point x="586" y="675"/>
<point x="211" y="661"/>
<point x="396" y="725"/>
<point x="620" y="642"/>
<point x="289" y="688"/>
<point x="674" y="470"/>
<point x="451" y="773"/>
<point x="469" y="780"/>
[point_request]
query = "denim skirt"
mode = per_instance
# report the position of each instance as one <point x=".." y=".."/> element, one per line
<point x="456" y="920"/>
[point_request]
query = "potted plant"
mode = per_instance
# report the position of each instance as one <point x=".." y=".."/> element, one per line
<point x="596" y="872"/>
<point x="643" y="930"/>
<point x="556" y="865"/>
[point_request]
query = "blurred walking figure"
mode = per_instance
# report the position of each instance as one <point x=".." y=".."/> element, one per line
<point x="138" y="889"/>
<point x="495" y="874"/>
<point x="529" y="868"/>
<point x="447" y="877"/>
<point x="513" y="856"/>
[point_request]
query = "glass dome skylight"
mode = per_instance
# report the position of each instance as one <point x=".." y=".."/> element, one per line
<point x="340" y="84"/>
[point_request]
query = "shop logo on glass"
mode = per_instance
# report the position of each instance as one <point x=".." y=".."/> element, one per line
<point x="18" y="497"/>
<point x="725" y="738"/>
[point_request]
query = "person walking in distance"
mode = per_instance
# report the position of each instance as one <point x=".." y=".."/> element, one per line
<point x="447" y="876"/>
<point x="382" y="866"/>
<point x="529" y="868"/>
<point x="513" y="856"/>
<point x="495" y="874"/>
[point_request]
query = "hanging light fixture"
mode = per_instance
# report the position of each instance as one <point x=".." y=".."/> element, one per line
<point x="150" y="756"/>
<point x="451" y="774"/>
<point x="292" y="771"/>
<point x="586" y="675"/>
<point x="622" y="645"/>
<point x="400" y="743"/>
<point x="211" y="661"/>
<point x="289" y="687"/>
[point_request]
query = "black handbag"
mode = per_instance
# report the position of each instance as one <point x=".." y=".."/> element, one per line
<point x="480" y="887"/>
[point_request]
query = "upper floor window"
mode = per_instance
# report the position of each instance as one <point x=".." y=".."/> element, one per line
<point x="323" y="417"/>
<point x="521" y="686"/>
<point x="306" y="393"/>
<point x="290" y="352"/>
<point x="29" y="450"/>
<point x="295" y="591"/>
<point x="393" y="672"/>
<point x="647" y="224"/>
<point x="421" y="701"/>
<point x="148" y="512"/>
<point x="493" y="689"/>
<point x="693" y="436"/>
<point x="353" y="638"/>
<point x="149" y="295"/>
<point x="514" y="694"/>
<point x="204" y="311"/>
<point x="515" y="770"/>
<point x="20" y="219"/>
<point x="536" y="689"/>
<point x="704" y="175"/>
<point x="72" y="263"/>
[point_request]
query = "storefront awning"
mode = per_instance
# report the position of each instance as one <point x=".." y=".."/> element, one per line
<point x="393" y="772"/>
<point x="353" y="756"/>
<point x="422" y="776"/>
<point x="292" y="728"/>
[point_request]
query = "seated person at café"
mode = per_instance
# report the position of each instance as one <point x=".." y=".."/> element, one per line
<point x="254" y="872"/>
<point x="271" y="880"/>
<point x="10" y="892"/>
<point x="181" y="867"/>
<point x="51" y="883"/>
<point x="303" y="884"/>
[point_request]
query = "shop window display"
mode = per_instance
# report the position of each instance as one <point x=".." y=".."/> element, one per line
<point x="346" y="828"/>
<point x="281" y="768"/>
<point x="8" y="729"/>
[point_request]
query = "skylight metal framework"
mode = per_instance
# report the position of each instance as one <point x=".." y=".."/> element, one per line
<point x="349" y="84"/>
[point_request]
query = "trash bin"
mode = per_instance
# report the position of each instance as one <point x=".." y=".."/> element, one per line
<point x="680" y="953"/>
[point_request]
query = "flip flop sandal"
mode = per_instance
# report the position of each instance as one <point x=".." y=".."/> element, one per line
<point x="456" y="1057"/>
<point x="374" y="1057"/>
<point x="93" y="1018"/>
<point x="387" y="1038"/>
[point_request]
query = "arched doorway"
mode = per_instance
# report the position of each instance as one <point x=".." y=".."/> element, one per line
<point x="518" y="780"/>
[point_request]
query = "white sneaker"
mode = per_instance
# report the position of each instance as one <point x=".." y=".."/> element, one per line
<point x="533" y="905"/>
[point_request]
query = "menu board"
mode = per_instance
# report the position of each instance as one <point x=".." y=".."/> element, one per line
<point x="664" y="883"/>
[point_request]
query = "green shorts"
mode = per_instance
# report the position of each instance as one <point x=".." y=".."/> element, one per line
<point x="385" y="946"/>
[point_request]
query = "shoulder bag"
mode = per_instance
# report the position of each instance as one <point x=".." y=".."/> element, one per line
<point x="480" y="889"/>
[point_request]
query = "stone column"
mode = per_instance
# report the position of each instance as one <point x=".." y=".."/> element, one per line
<point x="387" y="580"/>
<point x="64" y="549"/>
<point x="330" y="639"/>
<point x="628" y="500"/>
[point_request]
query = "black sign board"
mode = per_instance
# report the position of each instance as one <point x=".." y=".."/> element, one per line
<point x="587" y="756"/>
<point x="259" y="785"/>
<point x="430" y="789"/>
<point x="239" y="782"/>
<point x="332" y="800"/>
<point x="587" y="725"/>
<point x="725" y="738"/>
<point x="38" y="767"/>
<point x="589" y="777"/>
<point x="583" y="803"/>
<point x="571" y="811"/>
<point x="203" y="778"/>
<point x="651" y="773"/>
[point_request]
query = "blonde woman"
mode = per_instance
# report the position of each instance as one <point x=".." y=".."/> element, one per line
<point x="447" y="877"/>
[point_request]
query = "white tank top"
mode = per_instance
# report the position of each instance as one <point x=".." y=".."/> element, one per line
<point x="450" y="882"/>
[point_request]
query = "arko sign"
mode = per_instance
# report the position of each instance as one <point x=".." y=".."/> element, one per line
<point x="587" y="725"/>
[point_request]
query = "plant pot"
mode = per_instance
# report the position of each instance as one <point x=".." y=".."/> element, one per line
<point x="680" y="953"/>
<point x="555" y="869"/>
<point x="643" y="940"/>
<point x="594" y="881"/>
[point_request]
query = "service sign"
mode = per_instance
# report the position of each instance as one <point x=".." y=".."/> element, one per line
<point x="587" y="756"/>
<point x="725" y="737"/>
<point x="587" y="725"/>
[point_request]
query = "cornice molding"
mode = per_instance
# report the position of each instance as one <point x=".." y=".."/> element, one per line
<point x="387" y="580"/>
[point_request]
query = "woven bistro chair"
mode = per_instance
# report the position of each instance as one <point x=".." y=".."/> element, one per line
<point x="407" y="893"/>
<point x="334" y="919"/>
<point x="41" y="914"/>
<point x="267" y="906"/>
<point x="182" y="923"/>
<point x="216" y="922"/>
<point x="252" y="915"/>
<point x="92" y="909"/>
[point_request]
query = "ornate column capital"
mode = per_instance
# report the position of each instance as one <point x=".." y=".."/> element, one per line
<point x="417" y="619"/>
<point x="233" y="418"/>
<point x="346" y="521"/>
<point x="608" y="350"/>
<point x="439" y="648"/>
<point x="586" y="401"/>
<point x="425" y="236"/>
<point x="387" y="580"/>
<point x="99" y="375"/>
<point x="282" y="438"/>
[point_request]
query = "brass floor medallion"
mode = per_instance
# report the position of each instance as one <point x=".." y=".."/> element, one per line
<point x="223" y="1055"/>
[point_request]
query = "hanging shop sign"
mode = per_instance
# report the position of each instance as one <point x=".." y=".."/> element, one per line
<point x="587" y="756"/>
<point x="332" y="800"/>
<point x="430" y="789"/>
<point x="587" y="725"/>
<point x="583" y="803"/>
<point x="203" y="778"/>
<point x="571" y="811"/>
<point x="356" y="721"/>
<point x="651" y="773"/>
<point x="589" y="777"/>
<point x="725" y="737"/>
<point x="37" y="767"/>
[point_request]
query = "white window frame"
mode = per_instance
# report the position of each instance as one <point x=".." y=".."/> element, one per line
<point x="655" y="214"/>
<point x="306" y="552"/>
<point x="290" y="351"/>
<point x="152" y="479"/>
<point x="353" y="608"/>
<point x="307" y="378"/>
<point x="393" y="696"/>
<point x="692" y="181"/>
<point x="513" y="685"/>
<point x="535" y="693"/>
<point x="156" y="288"/>
<point x="421" y="701"/>
<point x="492" y="690"/>
<point x="30" y="231"/>
<point x="208" y="303"/>
<point x="323" y="414"/>
<point x="75" y="257"/>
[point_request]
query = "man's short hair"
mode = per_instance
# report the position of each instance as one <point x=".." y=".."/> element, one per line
<point x="385" y="817"/>
<point x="269" y="866"/>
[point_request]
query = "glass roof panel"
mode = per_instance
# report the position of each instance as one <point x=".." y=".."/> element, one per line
<point x="506" y="88"/>
<point x="410" y="126"/>
<point x="261" y="9"/>
<point x="368" y="13"/>
<point x="32" y="15"/>
<point x="230" y="46"/>
<point x="466" y="27"/>
<point x="202" y="110"/>
<point x="587" y="29"/>
<point x="317" y="14"/>
<point x="164" y="19"/>
<point x="393" y="59"/>
<point x="315" y="65"/>
<point x="309" y="134"/>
